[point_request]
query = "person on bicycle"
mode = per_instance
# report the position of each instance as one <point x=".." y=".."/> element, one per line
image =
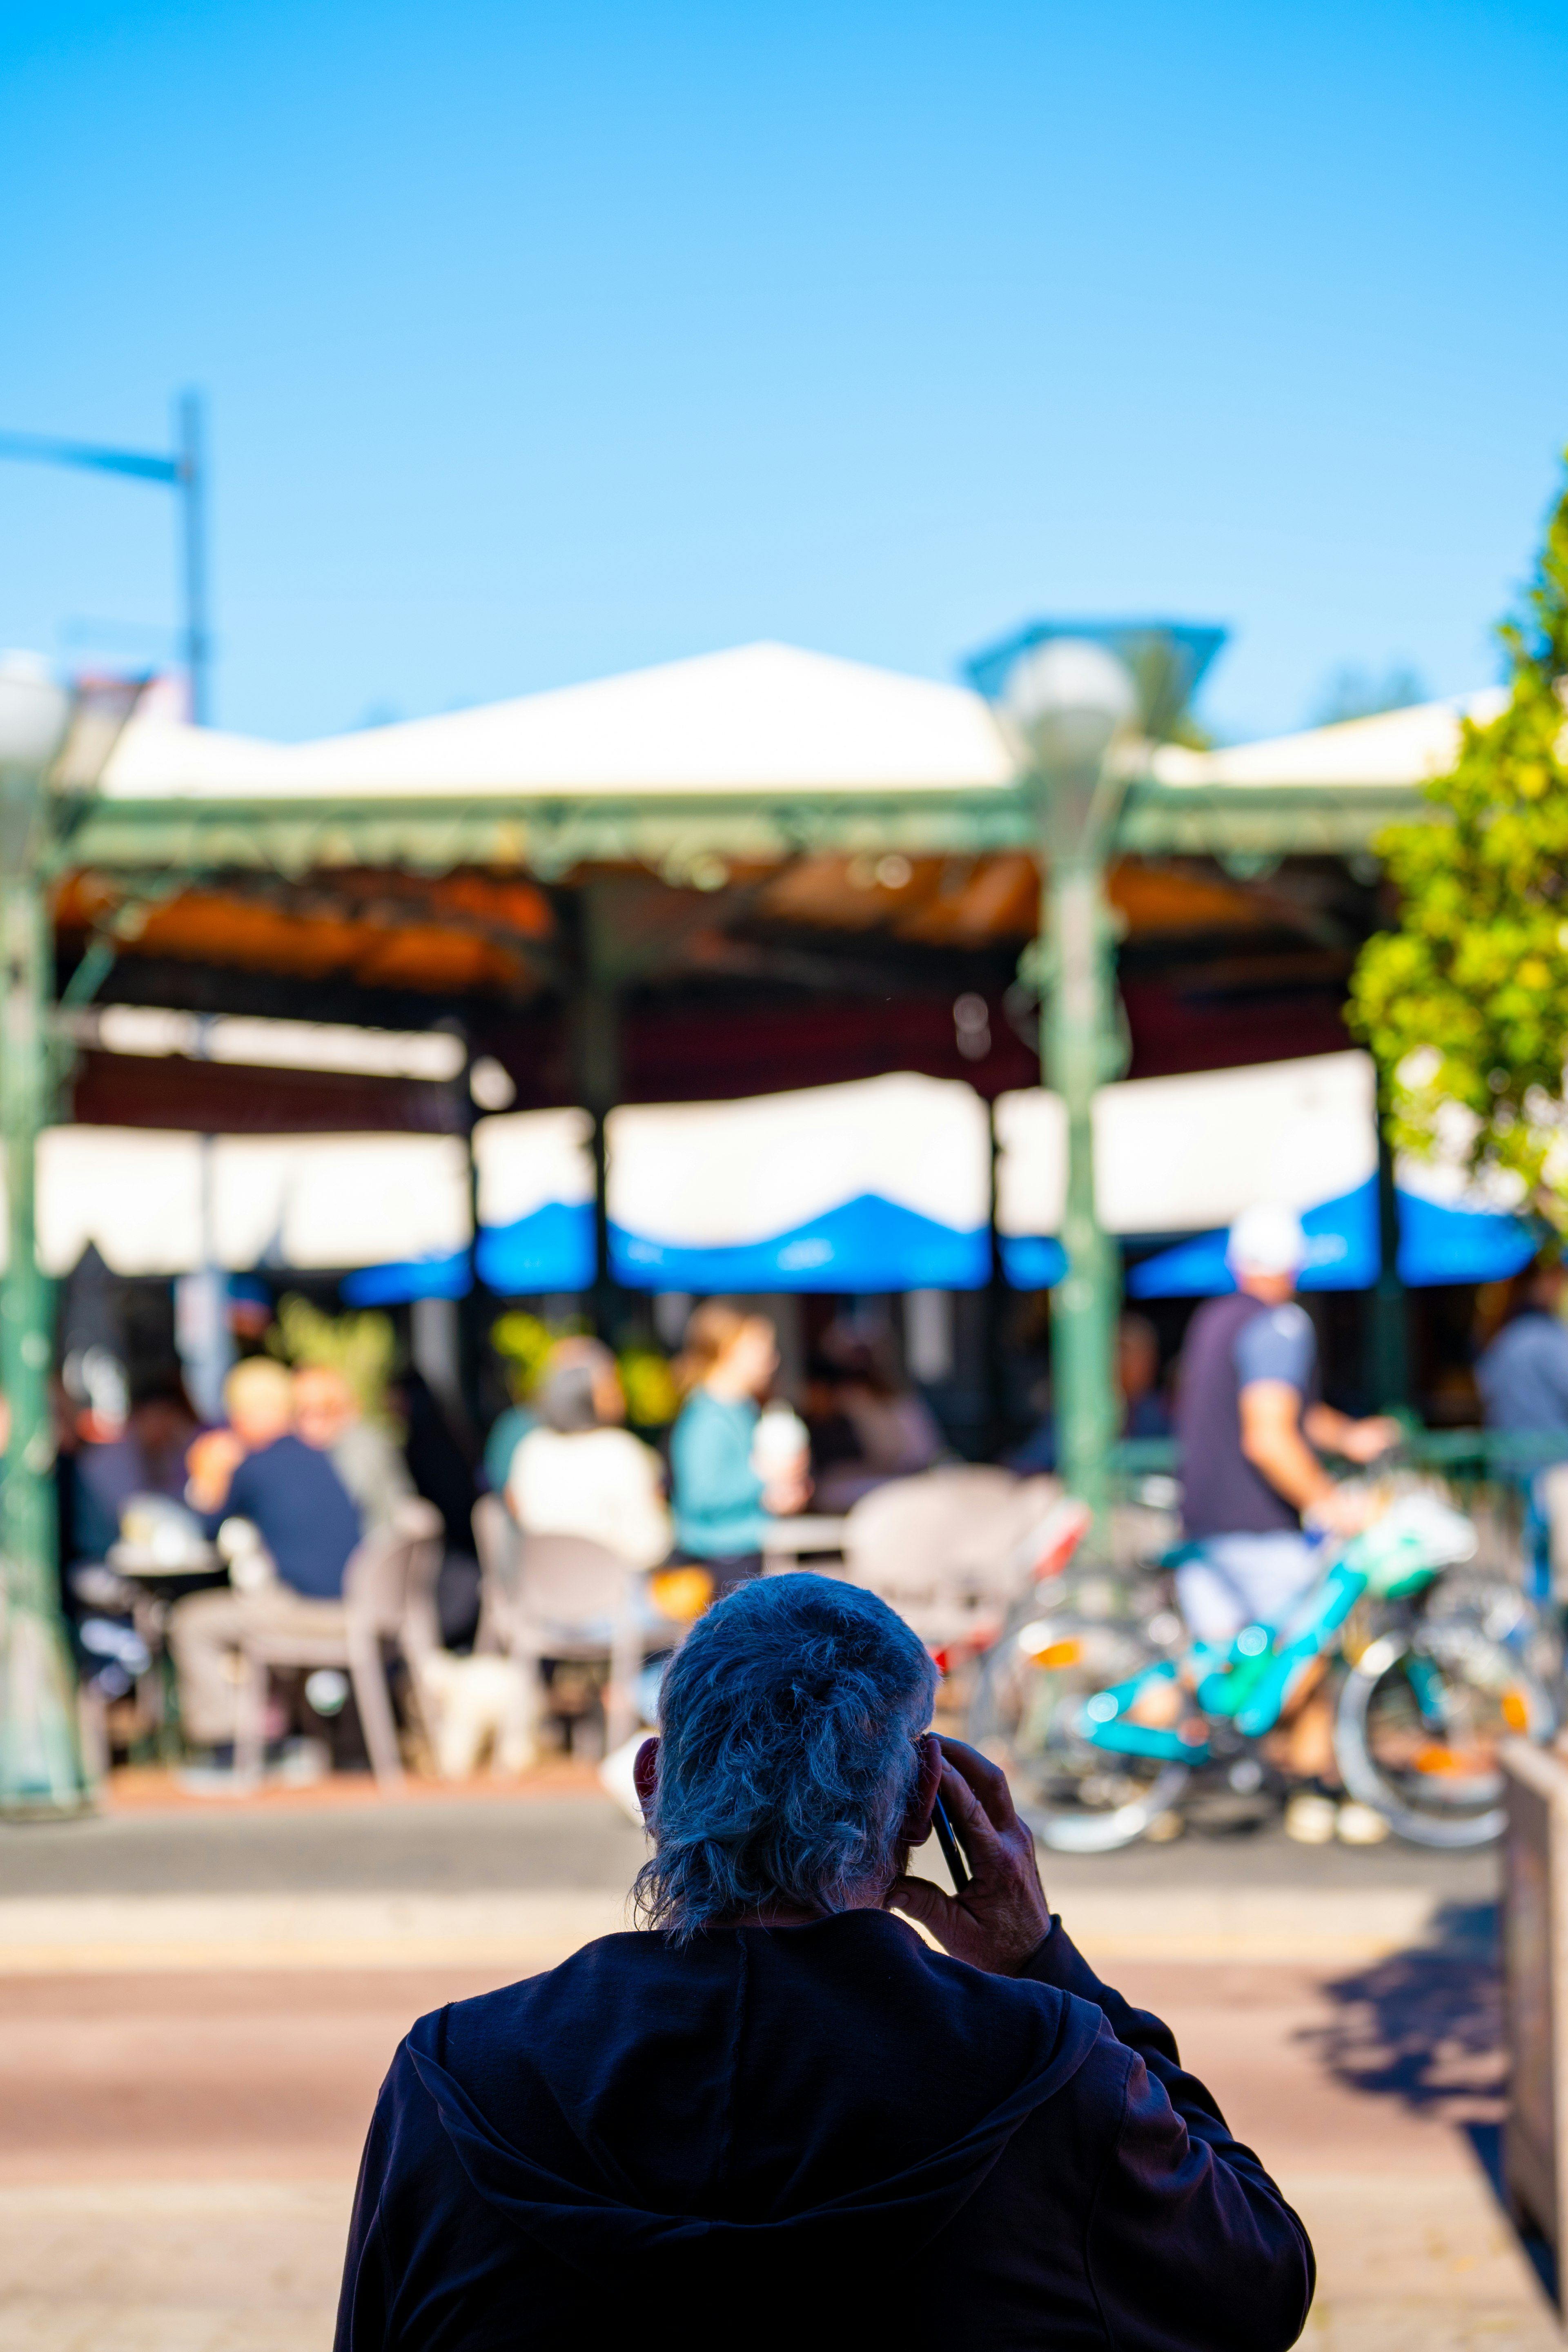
<point x="1247" y="1419"/>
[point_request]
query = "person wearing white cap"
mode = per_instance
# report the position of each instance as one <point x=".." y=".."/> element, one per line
<point x="1248" y="1418"/>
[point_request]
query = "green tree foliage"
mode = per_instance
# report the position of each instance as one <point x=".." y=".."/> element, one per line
<point x="363" y="1348"/>
<point x="525" y="1343"/>
<point x="1465" y="1004"/>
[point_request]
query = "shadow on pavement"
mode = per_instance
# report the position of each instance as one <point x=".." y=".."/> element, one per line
<point x="1425" y="2027"/>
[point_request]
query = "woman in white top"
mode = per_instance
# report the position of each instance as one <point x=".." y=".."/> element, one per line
<point x="579" y="1475"/>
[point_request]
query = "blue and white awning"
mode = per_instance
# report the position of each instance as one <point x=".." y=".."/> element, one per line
<point x="153" y="1202"/>
<point x="1302" y="1133"/>
<point x="535" y="1187"/>
<point x="1453" y="1229"/>
<point x="882" y="1184"/>
<point x="536" y="1202"/>
<point x="1186" y="1155"/>
<point x="1189" y="1154"/>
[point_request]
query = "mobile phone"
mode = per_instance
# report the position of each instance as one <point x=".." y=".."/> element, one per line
<point x="951" y="1852"/>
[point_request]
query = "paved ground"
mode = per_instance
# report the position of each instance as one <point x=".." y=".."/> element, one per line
<point x="195" y="2007"/>
<point x="339" y="1835"/>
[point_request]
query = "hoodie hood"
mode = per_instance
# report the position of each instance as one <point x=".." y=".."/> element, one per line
<point x="749" y="2098"/>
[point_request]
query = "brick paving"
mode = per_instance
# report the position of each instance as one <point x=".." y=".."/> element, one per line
<point x="178" y="2141"/>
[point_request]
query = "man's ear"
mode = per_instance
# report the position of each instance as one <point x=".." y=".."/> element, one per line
<point x="644" y="1775"/>
<point x="917" y="1821"/>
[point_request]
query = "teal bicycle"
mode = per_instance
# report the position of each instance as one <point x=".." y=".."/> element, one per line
<point x="1108" y="1727"/>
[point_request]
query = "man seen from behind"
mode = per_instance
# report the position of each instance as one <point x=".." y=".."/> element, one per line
<point x="775" y="2115"/>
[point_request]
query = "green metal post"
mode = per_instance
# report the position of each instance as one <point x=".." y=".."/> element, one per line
<point x="1066" y="704"/>
<point x="1389" y="1352"/>
<point x="40" y="1762"/>
<point x="1079" y="1046"/>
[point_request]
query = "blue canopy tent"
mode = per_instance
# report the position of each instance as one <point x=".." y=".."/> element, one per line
<point x="1197" y="1149"/>
<point x="879" y="1184"/>
<point x="535" y="1188"/>
<point x="882" y="1184"/>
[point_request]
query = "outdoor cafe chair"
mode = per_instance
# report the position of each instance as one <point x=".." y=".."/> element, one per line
<point x="388" y="1603"/>
<point x="497" y="1547"/>
<point x="950" y="1549"/>
<point x="575" y="1601"/>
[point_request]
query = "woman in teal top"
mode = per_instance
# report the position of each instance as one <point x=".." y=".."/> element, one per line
<point x="723" y="1506"/>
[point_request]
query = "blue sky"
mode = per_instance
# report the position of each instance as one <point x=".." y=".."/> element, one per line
<point x="545" y="341"/>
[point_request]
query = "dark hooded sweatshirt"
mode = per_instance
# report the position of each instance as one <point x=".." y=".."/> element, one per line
<point x="829" y="2134"/>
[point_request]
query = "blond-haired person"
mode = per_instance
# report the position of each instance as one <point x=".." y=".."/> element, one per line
<point x="259" y="1469"/>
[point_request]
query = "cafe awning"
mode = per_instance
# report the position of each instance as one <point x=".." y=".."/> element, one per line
<point x="882" y="1184"/>
<point x="1188" y="1154"/>
<point x="757" y="751"/>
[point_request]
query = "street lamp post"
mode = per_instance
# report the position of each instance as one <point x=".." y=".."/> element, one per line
<point x="184" y="471"/>
<point x="1069" y="704"/>
<point x="40" y="1764"/>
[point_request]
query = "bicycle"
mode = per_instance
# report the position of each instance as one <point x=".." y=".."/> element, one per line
<point x="1107" y="1729"/>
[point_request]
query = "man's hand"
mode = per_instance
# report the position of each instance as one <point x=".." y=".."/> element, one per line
<point x="1002" y="1915"/>
<point x="1342" y="1511"/>
<point x="1364" y="1440"/>
<point x="1352" y="1441"/>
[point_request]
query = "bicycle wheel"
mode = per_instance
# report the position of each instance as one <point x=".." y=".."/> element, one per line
<point x="1421" y="1716"/>
<point x="1074" y="1796"/>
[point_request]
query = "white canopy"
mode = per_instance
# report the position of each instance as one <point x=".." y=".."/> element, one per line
<point x="530" y="1160"/>
<point x="289" y="1200"/>
<point x="703" y="1177"/>
<point x="135" y="1192"/>
<point x="1396" y="747"/>
<point x="1187" y="1154"/>
<point x="759" y="718"/>
<point x="707" y="1175"/>
<point x="338" y="1199"/>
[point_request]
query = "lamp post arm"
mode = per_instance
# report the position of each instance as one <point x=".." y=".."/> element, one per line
<point x="185" y="472"/>
<point x="42" y="450"/>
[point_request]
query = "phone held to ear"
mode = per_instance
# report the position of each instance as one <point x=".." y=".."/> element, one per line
<point x="951" y="1852"/>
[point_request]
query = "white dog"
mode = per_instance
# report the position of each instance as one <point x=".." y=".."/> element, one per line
<point x="475" y="1703"/>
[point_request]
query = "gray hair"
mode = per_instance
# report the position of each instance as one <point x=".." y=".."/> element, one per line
<point x="565" y="1399"/>
<point x="787" y="1759"/>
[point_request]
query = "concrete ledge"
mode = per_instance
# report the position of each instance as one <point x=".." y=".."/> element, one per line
<point x="93" y="1934"/>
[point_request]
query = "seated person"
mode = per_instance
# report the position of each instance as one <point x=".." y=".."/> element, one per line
<point x="259" y="1469"/>
<point x="327" y="1415"/>
<point x="146" y="1457"/>
<point x="1143" y="1410"/>
<point x="778" y="2088"/>
<point x="876" y="1428"/>
<point x="506" y="1431"/>
<point x="581" y="1474"/>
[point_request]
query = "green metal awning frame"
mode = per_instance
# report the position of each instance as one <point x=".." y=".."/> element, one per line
<point x="547" y="834"/>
